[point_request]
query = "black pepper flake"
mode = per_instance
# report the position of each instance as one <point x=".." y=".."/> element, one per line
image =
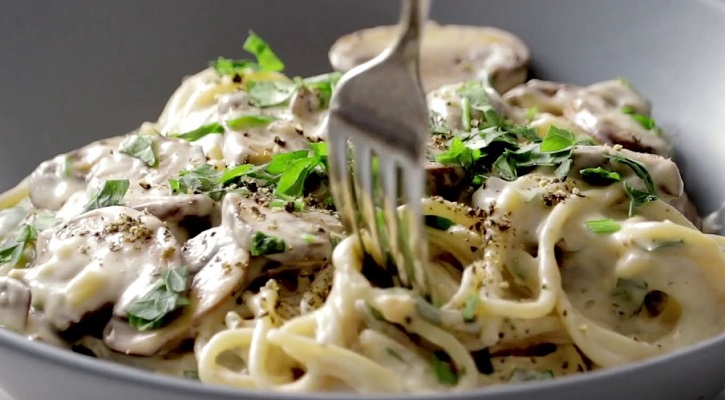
<point x="280" y="141"/>
<point x="237" y="78"/>
<point x="289" y="206"/>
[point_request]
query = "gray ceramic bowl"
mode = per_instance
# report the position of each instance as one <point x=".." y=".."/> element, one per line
<point x="75" y="71"/>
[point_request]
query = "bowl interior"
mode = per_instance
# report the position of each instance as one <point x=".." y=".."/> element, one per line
<point x="84" y="70"/>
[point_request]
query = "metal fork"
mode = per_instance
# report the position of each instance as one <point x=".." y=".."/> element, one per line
<point x="378" y="114"/>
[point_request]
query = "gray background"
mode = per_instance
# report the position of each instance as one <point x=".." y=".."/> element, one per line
<point x="75" y="70"/>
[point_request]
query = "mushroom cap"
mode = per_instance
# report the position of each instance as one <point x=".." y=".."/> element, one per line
<point x="449" y="53"/>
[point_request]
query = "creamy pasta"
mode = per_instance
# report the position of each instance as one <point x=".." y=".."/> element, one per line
<point x="206" y="244"/>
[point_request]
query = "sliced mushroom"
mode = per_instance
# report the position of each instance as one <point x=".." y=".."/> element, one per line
<point x="220" y="271"/>
<point x="54" y="181"/>
<point x="185" y="215"/>
<point x="449" y="54"/>
<point x="14" y="304"/>
<point x="103" y="257"/>
<point x="597" y="110"/>
<point x="306" y="234"/>
<point x="444" y="180"/>
<point x="664" y="172"/>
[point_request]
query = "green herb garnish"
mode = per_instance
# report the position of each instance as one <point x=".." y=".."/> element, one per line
<point x="263" y="245"/>
<point x="599" y="176"/>
<point x="557" y="139"/>
<point x="152" y="310"/>
<point x="637" y="197"/>
<point x="13" y="249"/>
<point x="469" y="309"/>
<point x="394" y="354"/>
<point x="191" y="374"/>
<point x="267" y="60"/>
<point x="110" y="195"/>
<point x="270" y="93"/>
<point x="602" y="226"/>
<point x="200" y="132"/>
<point x="225" y="66"/>
<point x="645" y="121"/>
<point x="203" y="179"/>
<point x="629" y="295"/>
<point x="141" y="147"/>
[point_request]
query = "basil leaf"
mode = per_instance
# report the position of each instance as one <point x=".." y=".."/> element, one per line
<point x="110" y="195"/>
<point x="44" y="220"/>
<point x="263" y="245"/>
<point x="436" y="222"/>
<point x="203" y="179"/>
<point x="637" y="198"/>
<point x="270" y="93"/>
<point x="557" y="139"/>
<point x="267" y="60"/>
<point x="599" y="176"/>
<point x="141" y="147"/>
<point x="523" y="375"/>
<point x="506" y="167"/>
<point x="235" y="172"/>
<point x="249" y="121"/>
<point x="292" y="181"/>
<point x="153" y="309"/>
<point x="225" y="66"/>
<point x="603" y="225"/>
<point x="323" y="86"/>
<point x="469" y="309"/>
<point x="13" y="250"/>
<point x="282" y="161"/>
<point x="199" y="132"/>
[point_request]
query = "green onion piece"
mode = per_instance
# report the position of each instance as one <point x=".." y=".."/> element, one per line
<point x="469" y="309"/>
<point x="199" y="132"/>
<point x="249" y="121"/>
<point x="603" y="225"/>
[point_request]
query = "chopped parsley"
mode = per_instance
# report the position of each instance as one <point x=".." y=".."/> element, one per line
<point x="200" y="132"/>
<point x="263" y="245"/>
<point x="13" y="250"/>
<point x="152" y="310"/>
<point x="603" y="226"/>
<point x="140" y="147"/>
<point x="110" y="195"/>
<point x="637" y="197"/>
<point x="266" y="59"/>
<point x="599" y="176"/>
<point x="191" y="374"/>
<point x="524" y="375"/>
<point x="270" y="93"/>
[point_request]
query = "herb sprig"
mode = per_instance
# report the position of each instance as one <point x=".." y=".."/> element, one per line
<point x="152" y="310"/>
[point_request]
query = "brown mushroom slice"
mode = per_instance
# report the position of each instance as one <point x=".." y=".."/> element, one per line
<point x="597" y="110"/>
<point x="14" y="304"/>
<point x="449" y="53"/>
<point x="446" y="181"/>
<point x="306" y="234"/>
<point x="219" y="268"/>
<point x="97" y="258"/>
<point x="186" y="215"/>
<point x="664" y="172"/>
<point x="55" y="180"/>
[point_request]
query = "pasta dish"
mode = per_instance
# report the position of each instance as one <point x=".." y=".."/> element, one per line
<point x="206" y="244"/>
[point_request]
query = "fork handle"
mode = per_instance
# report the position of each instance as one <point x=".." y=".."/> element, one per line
<point x="413" y="15"/>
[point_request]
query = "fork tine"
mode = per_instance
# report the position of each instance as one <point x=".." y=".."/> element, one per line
<point x="341" y="186"/>
<point x="364" y="190"/>
<point x="389" y="177"/>
<point x="417" y="247"/>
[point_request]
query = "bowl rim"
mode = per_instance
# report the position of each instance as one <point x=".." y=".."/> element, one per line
<point x="129" y="375"/>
